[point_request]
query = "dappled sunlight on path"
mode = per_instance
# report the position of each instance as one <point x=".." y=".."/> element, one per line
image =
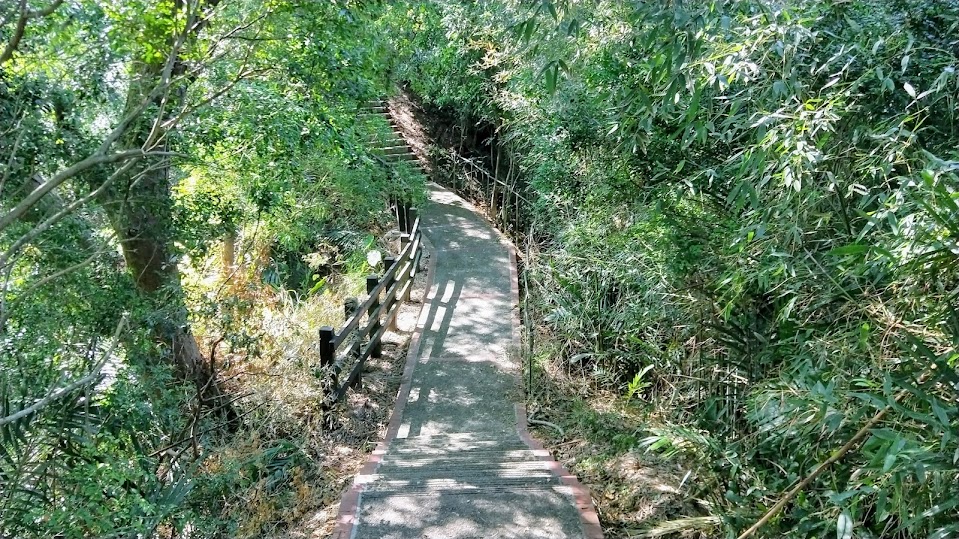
<point x="455" y="463"/>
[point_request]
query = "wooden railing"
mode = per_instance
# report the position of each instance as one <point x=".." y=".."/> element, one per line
<point x="355" y="342"/>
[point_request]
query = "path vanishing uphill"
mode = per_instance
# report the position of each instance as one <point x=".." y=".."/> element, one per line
<point x="457" y="461"/>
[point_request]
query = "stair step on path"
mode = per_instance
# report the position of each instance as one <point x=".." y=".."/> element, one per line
<point x="540" y="512"/>
<point x="493" y="469"/>
<point x="443" y="459"/>
<point x="561" y="490"/>
<point x="465" y="482"/>
<point x="466" y="449"/>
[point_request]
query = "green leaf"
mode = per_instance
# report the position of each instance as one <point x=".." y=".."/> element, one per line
<point x="552" y="10"/>
<point x="909" y="89"/>
<point x="551" y="73"/>
<point x="888" y="462"/>
<point x="780" y="89"/>
<point x="853" y="249"/>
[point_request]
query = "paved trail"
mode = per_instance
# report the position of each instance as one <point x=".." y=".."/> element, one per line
<point x="455" y="464"/>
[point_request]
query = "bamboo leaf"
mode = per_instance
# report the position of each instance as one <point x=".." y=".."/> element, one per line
<point x="844" y="526"/>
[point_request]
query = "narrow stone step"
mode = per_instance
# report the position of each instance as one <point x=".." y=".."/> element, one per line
<point x="459" y="457"/>
<point x="531" y="468"/>
<point x="401" y="157"/>
<point x="466" y="449"/>
<point x="396" y="150"/>
<point x="458" y="442"/>
<point x="562" y="490"/>
<point x="375" y="483"/>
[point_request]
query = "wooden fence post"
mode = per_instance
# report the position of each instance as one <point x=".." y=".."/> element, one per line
<point x="401" y="216"/>
<point x="414" y="216"/>
<point x="326" y="346"/>
<point x="388" y="264"/>
<point x="349" y="307"/>
<point x="374" y="321"/>
<point x="327" y="351"/>
<point x="404" y="242"/>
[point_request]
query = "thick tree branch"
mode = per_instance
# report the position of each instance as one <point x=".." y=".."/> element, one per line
<point x="21" y="27"/>
<point x="17" y="34"/>
<point x="94" y="160"/>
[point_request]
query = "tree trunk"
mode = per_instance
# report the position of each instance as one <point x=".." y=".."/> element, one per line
<point x="141" y="219"/>
<point x="140" y="211"/>
<point x="229" y="254"/>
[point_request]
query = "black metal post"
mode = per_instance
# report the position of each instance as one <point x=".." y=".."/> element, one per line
<point x="327" y="353"/>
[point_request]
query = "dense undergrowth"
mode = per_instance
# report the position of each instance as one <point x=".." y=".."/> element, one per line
<point x="744" y="221"/>
<point x="188" y="193"/>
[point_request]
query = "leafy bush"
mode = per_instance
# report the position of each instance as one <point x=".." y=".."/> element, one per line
<point x="758" y="199"/>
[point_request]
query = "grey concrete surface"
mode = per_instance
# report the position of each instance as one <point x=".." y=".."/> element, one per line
<point x="457" y="468"/>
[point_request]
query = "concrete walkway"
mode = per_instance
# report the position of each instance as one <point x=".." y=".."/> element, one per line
<point x="457" y="461"/>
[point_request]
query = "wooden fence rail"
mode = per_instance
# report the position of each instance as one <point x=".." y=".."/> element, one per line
<point x="355" y="342"/>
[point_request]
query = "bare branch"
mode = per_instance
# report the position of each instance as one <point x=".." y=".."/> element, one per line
<point x="57" y="217"/>
<point x="94" y="160"/>
<point x="834" y="458"/>
<point x="166" y="83"/>
<point x="232" y="34"/>
<point x="53" y="276"/>
<point x="45" y="12"/>
<point x="13" y="152"/>
<point x="172" y="122"/>
<point x="60" y="215"/>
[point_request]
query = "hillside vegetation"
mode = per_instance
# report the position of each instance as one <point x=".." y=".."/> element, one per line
<point x="744" y="222"/>
<point x="188" y="194"/>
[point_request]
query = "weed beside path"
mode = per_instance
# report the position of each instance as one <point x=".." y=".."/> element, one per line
<point x="360" y="422"/>
<point x="597" y="437"/>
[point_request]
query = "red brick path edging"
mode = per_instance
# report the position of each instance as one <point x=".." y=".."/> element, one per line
<point x="581" y="494"/>
<point x="584" y="500"/>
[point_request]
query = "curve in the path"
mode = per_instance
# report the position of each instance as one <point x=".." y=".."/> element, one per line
<point x="457" y="461"/>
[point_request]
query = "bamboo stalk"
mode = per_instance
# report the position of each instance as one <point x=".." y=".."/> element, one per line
<point x="836" y="457"/>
